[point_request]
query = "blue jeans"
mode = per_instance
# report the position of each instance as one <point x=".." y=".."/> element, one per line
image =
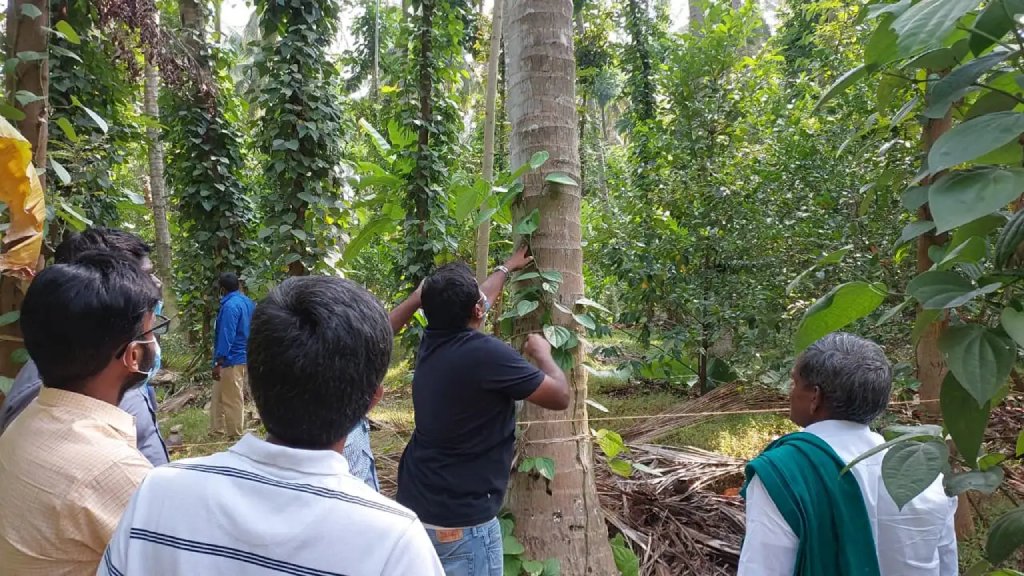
<point x="474" y="551"/>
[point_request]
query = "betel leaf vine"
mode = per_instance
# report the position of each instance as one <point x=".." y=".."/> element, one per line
<point x="960" y="64"/>
<point x="299" y="130"/>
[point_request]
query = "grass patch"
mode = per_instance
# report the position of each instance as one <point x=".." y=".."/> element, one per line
<point x="737" y="435"/>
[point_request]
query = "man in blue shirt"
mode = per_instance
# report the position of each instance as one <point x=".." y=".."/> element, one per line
<point x="227" y="407"/>
<point x="140" y="402"/>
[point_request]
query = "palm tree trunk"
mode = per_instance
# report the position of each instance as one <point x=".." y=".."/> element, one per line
<point x="483" y="232"/>
<point x="566" y="522"/>
<point x="158" y="189"/>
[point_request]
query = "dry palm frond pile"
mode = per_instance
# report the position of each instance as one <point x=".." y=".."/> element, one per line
<point x="726" y="398"/>
<point x="674" y="515"/>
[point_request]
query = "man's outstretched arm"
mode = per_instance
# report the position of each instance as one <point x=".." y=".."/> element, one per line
<point x="553" y="392"/>
<point x="404" y="312"/>
<point x="495" y="282"/>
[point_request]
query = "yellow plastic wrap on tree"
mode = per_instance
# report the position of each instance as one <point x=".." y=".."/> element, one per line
<point x="21" y="191"/>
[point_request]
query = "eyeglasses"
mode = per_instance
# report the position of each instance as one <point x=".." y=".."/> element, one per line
<point x="161" y="325"/>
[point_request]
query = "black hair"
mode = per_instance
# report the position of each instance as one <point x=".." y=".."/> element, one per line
<point x="121" y="243"/>
<point x="76" y="317"/>
<point x="318" y="349"/>
<point x="449" y="296"/>
<point x="228" y="281"/>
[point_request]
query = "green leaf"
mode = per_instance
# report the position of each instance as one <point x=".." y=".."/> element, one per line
<point x="585" y="320"/>
<point x="995" y="21"/>
<point x="1013" y="322"/>
<point x="513" y="566"/>
<point x="6" y="384"/>
<point x="511" y="546"/>
<point x="979" y="357"/>
<point x="533" y="567"/>
<point x="400" y="135"/>
<point x="927" y="23"/>
<point x="974" y="138"/>
<point x="95" y="117"/>
<point x="527" y="465"/>
<point x="1005" y="536"/>
<point x="19" y="356"/>
<point x="984" y="482"/>
<point x="551" y="276"/>
<point x="31" y="11"/>
<point x="972" y="250"/>
<point x="921" y="435"/>
<point x="529" y="224"/>
<point x="31" y="55"/>
<point x="9" y="318"/>
<point x="964" y="419"/>
<point x="524" y="307"/>
<point x="24" y="97"/>
<point x="626" y="560"/>
<point x="558" y="336"/>
<point x="621" y="467"/>
<point x="68" y="31"/>
<point x="981" y="228"/>
<point x="843" y="305"/>
<point x="72" y="216"/>
<point x="915" y="229"/>
<point x="483" y="216"/>
<point x="911" y="467"/>
<point x="538" y="159"/>
<point x="66" y="127"/>
<point x="942" y="94"/>
<point x="379" y="141"/>
<point x="881" y="46"/>
<point x="610" y="442"/>
<point x="467" y="199"/>
<point x="545" y="467"/>
<point x="588" y="303"/>
<point x="1019" y="451"/>
<point x="834" y="257"/>
<point x="552" y="567"/>
<point x="11" y="113"/>
<point x="938" y="289"/>
<point x="523" y="276"/>
<point x="848" y="79"/>
<point x="371" y="230"/>
<point x="990" y="461"/>
<point x="60" y="171"/>
<point x="560" y="178"/>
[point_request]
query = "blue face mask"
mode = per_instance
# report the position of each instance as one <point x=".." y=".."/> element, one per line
<point x="156" y="361"/>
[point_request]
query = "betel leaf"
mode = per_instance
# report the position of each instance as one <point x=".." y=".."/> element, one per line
<point x="68" y="31"/>
<point x="610" y="442"/>
<point x="533" y="567"/>
<point x="371" y="230"/>
<point x="621" y="467"/>
<point x="844" y="304"/>
<point x="926" y="24"/>
<point x="963" y="197"/>
<point x="1012" y="322"/>
<point x="545" y="467"/>
<point x="588" y="303"/>
<point x="467" y="199"/>
<point x="964" y="418"/>
<point x="60" y="171"/>
<point x="24" y="97"/>
<point x="974" y="138"/>
<point x="626" y="561"/>
<point x="378" y="141"/>
<point x="971" y="250"/>
<point x="530" y="224"/>
<point x="912" y="436"/>
<point x="849" y="78"/>
<point x="67" y="128"/>
<point x="1005" y="536"/>
<point x="538" y="159"/>
<point x="552" y="567"/>
<point x="915" y="229"/>
<point x="942" y="94"/>
<point x="11" y="113"/>
<point x="558" y="336"/>
<point x="31" y="11"/>
<point x="994" y="22"/>
<point x="9" y="318"/>
<point x="524" y="307"/>
<point x="560" y="178"/>
<point x="95" y="117"/>
<point x="910" y="467"/>
<point x="979" y="357"/>
<point x="985" y="482"/>
<point x="938" y="289"/>
<point x="512" y="565"/>
<point x="511" y="547"/>
<point x="5" y="385"/>
<point x="585" y="320"/>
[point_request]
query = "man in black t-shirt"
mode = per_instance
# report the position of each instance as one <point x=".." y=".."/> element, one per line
<point x="455" y="470"/>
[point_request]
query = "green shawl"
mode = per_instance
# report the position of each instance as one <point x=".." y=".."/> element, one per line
<point x="824" y="508"/>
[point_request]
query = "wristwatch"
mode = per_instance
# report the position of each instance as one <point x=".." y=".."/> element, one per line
<point x="503" y="269"/>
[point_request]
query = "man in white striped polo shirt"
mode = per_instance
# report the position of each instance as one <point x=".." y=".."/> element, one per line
<point x="318" y="351"/>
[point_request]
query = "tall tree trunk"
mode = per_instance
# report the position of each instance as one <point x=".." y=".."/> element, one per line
<point x="25" y="34"/>
<point x="375" y="73"/>
<point x="158" y="189"/>
<point x="483" y="232"/>
<point x="565" y="523"/>
<point x="696" y="15"/>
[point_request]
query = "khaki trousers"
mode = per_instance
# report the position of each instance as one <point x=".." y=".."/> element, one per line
<point x="227" y="407"/>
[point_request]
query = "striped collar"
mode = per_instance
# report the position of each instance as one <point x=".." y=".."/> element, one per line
<point x="313" y="462"/>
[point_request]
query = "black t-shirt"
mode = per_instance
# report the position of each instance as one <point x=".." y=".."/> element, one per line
<point x="455" y="470"/>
